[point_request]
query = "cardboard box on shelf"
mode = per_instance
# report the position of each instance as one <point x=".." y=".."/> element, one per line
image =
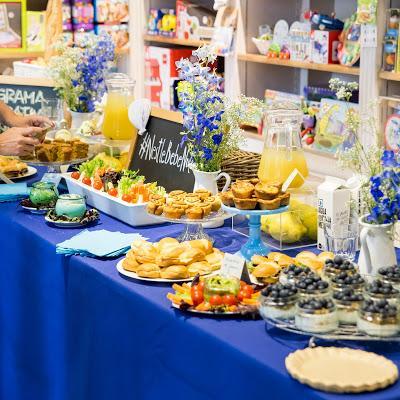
<point x="194" y="21"/>
<point x="111" y="11"/>
<point x="12" y="15"/>
<point x="35" y="30"/>
<point x="161" y="74"/>
<point x="119" y="34"/>
<point x="324" y="47"/>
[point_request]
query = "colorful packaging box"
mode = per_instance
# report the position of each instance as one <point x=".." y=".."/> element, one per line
<point x="111" y="11"/>
<point x="11" y="17"/>
<point x="161" y="74"/>
<point x="67" y="15"/>
<point x="119" y="33"/>
<point x="83" y="15"/>
<point x="35" y="30"/>
<point x="324" y="47"/>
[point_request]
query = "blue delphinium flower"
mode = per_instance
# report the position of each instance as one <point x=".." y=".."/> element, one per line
<point x="208" y="153"/>
<point x="385" y="191"/>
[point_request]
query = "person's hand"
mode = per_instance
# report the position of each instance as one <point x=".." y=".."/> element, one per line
<point x="19" y="141"/>
<point x="23" y="121"/>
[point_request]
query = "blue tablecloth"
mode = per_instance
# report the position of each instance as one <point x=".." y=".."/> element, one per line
<point x="73" y="328"/>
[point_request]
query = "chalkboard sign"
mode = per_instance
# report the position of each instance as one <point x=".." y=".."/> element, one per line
<point x="159" y="156"/>
<point x="25" y="99"/>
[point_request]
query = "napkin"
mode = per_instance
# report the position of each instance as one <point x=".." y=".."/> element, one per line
<point x="13" y="191"/>
<point x="100" y="243"/>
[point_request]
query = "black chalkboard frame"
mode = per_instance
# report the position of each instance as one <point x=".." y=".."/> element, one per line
<point x="157" y="154"/>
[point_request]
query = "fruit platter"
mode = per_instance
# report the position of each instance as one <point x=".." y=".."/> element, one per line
<point x="108" y="187"/>
<point x="333" y="302"/>
<point x="215" y="295"/>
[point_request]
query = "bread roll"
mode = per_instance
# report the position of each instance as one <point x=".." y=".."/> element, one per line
<point x="175" y="272"/>
<point x="166" y="242"/>
<point x="259" y="259"/>
<point x="215" y="260"/>
<point x="325" y="255"/>
<point x="146" y="255"/>
<point x="202" y="244"/>
<point x="130" y="264"/>
<point x="266" y="270"/>
<point x="199" y="267"/>
<point x="148" y="270"/>
<point x="140" y="243"/>
<point x="190" y="256"/>
<point x="170" y="255"/>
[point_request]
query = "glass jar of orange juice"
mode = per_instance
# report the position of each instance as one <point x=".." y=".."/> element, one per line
<point x="116" y="124"/>
<point x="283" y="152"/>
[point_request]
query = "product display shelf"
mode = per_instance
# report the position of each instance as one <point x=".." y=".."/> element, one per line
<point x="175" y="41"/>
<point x="335" y="68"/>
<point x="6" y="55"/>
<point x="390" y="76"/>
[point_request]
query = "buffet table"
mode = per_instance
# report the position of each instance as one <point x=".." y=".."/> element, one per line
<point x="73" y="328"/>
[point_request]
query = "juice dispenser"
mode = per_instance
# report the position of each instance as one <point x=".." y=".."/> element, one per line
<point x="282" y="152"/>
<point x="116" y="124"/>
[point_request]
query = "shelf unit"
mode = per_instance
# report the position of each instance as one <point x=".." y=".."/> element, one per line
<point x="14" y="55"/>
<point x="333" y="68"/>
<point x="250" y="73"/>
<point x="390" y="76"/>
<point x="174" y="41"/>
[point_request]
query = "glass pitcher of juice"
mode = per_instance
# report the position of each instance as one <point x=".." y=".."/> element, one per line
<point x="116" y="124"/>
<point x="282" y="152"/>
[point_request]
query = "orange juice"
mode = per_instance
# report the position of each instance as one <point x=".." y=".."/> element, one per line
<point x="278" y="163"/>
<point x="116" y="124"/>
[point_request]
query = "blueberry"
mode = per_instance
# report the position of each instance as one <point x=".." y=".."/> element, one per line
<point x="338" y="260"/>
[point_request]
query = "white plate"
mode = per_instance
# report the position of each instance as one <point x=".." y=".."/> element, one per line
<point x="206" y="312"/>
<point x="65" y="224"/>
<point x="31" y="171"/>
<point x="134" y="275"/>
<point x="34" y="210"/>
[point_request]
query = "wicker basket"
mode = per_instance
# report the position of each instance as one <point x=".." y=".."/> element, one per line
<point x="240" y="165"/>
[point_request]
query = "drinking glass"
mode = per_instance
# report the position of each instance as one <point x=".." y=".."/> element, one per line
<point x="341" y="238"/>
<point x="52" y="109"/>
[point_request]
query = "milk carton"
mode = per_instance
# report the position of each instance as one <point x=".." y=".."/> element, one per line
<point x="333" y="205"/>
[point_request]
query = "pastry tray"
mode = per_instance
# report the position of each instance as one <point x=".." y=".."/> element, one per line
<point x="56" y="163"/>
<point x="214" y="216"/>
<point x="344" y="332"/>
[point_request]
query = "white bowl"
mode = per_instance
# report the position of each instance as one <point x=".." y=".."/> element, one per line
<point x="262" y="45"/>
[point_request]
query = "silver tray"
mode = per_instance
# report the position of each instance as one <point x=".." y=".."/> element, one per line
<point x="344" y="332"/>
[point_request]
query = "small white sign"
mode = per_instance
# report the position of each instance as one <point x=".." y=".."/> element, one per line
<point x="233" y="265"/>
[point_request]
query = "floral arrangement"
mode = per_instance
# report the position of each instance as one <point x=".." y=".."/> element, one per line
<point x="79" y="72"/>
<point x="211" y="120"/>
<point x="384" y="203"/>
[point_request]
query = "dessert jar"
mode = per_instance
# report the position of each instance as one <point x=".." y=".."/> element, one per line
<point x="345" y="280"/>
<point x="313" y="286"/>
<point x="378" y="318"/>
<point x="43" y="194"/>
<point x="292" y="273"/>
<point x="338" y="265"/>
<point x="316" y="315"/>
<point x="390" y="275"/>
<point x="379" y="290"/>
<point x="278" y="302"/>
<point x="348" y="303"/>
<point x="71" y="206"/>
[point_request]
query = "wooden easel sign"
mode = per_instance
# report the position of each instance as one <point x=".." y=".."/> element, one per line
<point x="158" y="153"/>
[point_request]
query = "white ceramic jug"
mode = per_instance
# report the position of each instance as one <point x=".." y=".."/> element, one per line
<point x="377" y="247"/>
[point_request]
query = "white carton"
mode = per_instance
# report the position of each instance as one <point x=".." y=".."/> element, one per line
<point x="333" y="205"/>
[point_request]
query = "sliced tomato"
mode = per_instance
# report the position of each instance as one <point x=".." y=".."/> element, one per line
<point x="87" y="181"/>
<point x="248" y="289"/>
<point x="243" y="295"/>
<point x="113" y="192"/>
<point x="229" y="300"/>
<point x="75" y="175"/>
<point x="197" y="297"/>
<point x="98" y="184"/>
<point x="127" y="197"/>
<point x="216" y="300"/>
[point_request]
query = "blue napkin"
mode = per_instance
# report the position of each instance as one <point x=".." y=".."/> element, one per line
<point x="100" y="243"/>
<point x="13" y="191"/>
